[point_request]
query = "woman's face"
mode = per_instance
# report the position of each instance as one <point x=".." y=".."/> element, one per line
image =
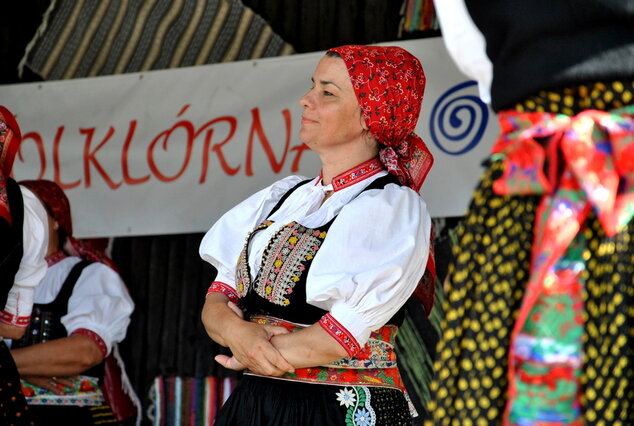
<point x="53" y="235"/>
<point x="331" y="113"/>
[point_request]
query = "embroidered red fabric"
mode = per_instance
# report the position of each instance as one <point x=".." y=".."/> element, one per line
<point x="220" y="287"/>
<point x="374" y="364"/>
<point x="340" y="334"/>
<point x="8" y="318"/>
<point x="58" y="207"/>
<point x="357" y="174"/>
<point x="10" y="138"/>
<point x="94" y="337"/>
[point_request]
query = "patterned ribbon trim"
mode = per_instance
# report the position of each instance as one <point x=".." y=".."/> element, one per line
<point x="227" y="290"/>
<point x="83" y="391"/>
<point x="340" y="334"/>
<point x="374" y="365"/>
<point x="101" y="345"/>
<point x="356" y="174"/>
<point x="56" y="257"/>
<point x="576" y="164"/>
<point x="11" y="319"/>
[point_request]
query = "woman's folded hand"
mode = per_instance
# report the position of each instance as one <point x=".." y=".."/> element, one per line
<point x="252" y="349"/>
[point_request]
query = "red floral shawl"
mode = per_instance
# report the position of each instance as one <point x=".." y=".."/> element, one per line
<point x="58" y="206"/>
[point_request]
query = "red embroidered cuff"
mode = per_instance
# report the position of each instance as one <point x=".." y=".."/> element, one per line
<point x="220" y="287"/>
<point x="340" y="334"/>
<point x="10" y="319"/>
<point x="94" y="337"/>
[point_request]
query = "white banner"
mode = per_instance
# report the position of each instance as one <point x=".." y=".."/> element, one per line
<point x="169" y="151"/>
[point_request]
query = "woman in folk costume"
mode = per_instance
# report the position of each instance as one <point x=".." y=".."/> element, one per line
<point x="23" y="244"/>
<point x="329" y="261"/>
<point x="82" y="310"/>
<point x="539" y="324"/>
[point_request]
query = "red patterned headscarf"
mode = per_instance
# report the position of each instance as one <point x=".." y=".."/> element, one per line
<point x="10" y="138"/>
<point x="58" y="206"/>
<point x="389" y="83"/>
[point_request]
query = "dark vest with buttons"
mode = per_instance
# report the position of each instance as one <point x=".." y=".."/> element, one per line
<point x="46" y="318"/>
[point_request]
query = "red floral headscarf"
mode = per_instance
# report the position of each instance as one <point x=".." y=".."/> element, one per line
<point x="58" y="206"/>
<point x="10" y="138"/>
<point x="389" y="83"/>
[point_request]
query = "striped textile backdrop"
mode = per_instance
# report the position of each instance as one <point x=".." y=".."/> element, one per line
<point x="187" y="401"/>
<point x="87" y="38"/>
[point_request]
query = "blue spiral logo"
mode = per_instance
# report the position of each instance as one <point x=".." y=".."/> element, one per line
<point x="458" y="122"/>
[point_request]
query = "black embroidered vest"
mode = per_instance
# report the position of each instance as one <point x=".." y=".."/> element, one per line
<point x="46" y="318"/>
<point x="279" y="289"/>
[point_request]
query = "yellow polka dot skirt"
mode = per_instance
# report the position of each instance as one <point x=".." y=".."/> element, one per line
<point x="608" y="371"/>
<point x="483" y="295"/>
<point x="484" y="292"/>
<point x="485" y="286"/>
<point x="571" y="100"/>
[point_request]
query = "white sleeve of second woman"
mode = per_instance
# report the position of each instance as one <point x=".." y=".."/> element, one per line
<point x="100" y="303"/>
<point x="33" y="264"/>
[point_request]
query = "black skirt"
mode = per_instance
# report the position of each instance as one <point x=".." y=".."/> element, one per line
<point x="13" y="408"/>
<point x="261" y="401"/>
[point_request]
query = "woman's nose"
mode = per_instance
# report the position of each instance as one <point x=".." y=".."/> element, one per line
<point x="305" y="101"/>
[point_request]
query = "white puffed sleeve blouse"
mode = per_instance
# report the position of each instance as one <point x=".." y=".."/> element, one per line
<point x="370" y="262"/>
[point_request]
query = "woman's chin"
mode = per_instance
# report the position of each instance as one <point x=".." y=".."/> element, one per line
<point x="306" y="139"/>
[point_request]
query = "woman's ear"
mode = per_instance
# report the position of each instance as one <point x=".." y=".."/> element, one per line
<point x="364" y="126"/>
<point x="56" y="226"/>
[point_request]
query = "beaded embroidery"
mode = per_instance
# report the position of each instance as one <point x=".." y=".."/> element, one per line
<point x="283" y="262"/>
<point x="243" y="274"/>
<point x="359" y="411"/>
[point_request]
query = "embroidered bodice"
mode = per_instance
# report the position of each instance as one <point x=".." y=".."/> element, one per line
<point x="359" y="278"/>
